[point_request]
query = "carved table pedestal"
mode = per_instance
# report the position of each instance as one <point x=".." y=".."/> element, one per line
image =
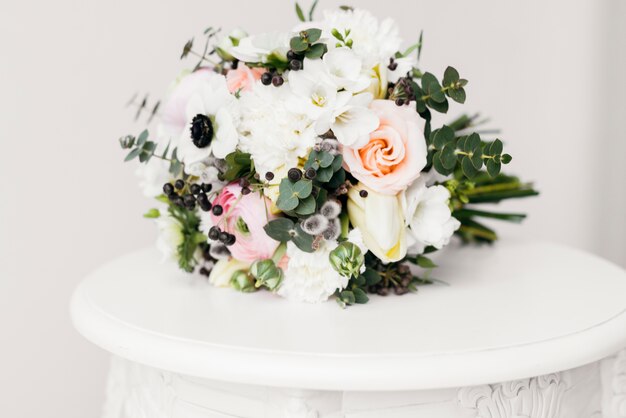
<point x="523" y="330"/>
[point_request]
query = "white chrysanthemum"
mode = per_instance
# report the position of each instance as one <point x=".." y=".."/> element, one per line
<point x="428" y="215"/>
<point x="273" y="133"/>
<point x="170" y="236"/>
<point x="211" y="99"/>
<point x="372" y="41"/>
<point x="309" y="277"/>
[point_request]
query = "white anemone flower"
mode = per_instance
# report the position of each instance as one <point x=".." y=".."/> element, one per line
<point x="213" y="100"/>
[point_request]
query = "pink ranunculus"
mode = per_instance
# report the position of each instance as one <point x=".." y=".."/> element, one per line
<point x="245" y="217"/>
<point x="242" y="78"/>
<point x="396" y="152"/>
<point x="174" y="109"/>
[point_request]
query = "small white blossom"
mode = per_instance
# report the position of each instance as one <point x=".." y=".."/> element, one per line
<point x="258" y="48"/>
<point x="309" y="277"/>
<point x="170" y="236"/>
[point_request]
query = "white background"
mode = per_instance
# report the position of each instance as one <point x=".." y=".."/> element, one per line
<point x="550" y="74"/>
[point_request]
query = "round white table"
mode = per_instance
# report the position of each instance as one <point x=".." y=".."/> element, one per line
<point x="522" y="330"/>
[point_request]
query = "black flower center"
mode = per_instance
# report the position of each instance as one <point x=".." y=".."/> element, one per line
<point x="201" y="131"/>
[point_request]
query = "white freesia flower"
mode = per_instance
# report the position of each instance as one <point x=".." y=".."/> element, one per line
<point x="345" y="69"/>
<point x="170" y="236"/>
<point x="380" y="219"/>
<point x="224" y="269"/>
<point x="258" y="48"/>
<point x="211" y="99"/>
<point x="226" y="44"/>
<point x="428" y="216"/>
<point x="309" y="277"/>
<point x="314" y="90"/>
<point x="276" y="135"/>
<point x="350" y="119"/>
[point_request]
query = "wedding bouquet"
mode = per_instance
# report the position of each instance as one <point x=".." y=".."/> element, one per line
<point x="304" y="162"/>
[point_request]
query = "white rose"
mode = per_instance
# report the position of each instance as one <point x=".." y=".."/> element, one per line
<point x="309" y="277"/>
<point x="428" y="216"/>
<point x="224" y="269"/>
<point x="380" y="219"/>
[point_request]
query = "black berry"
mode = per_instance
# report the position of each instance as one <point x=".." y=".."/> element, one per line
<point x="206" y="187"/>
<point x="363" y="193"/>
<point x="244" y="182"/>
<point x="399" y="102"/>
<point x="245" y="191"/>
<point x="218" y="210"/>
<point x="269" y="176"/>
<point x="168" y="189"/>
<point x="195" y="188"/>
<point x="277" y="80"/>
<point x="214" y="233"/>
<point x="189" y="201"/>
<point x="310" y="173"/>
<point x="223" y="237"/>
<point x="295" y="65"/>
<point x="179" y="184"/>
<point x="294" y="174"/>
<point x="201" y="131"/>
<point x="266" y="78"/>
<point x="231" y="239"/>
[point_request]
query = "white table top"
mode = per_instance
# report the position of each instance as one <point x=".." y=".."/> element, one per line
<point x="512" y="311"/>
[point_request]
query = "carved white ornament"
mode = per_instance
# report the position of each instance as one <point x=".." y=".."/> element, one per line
<point x="618" y="401"/>
<point x="538" y="397"/>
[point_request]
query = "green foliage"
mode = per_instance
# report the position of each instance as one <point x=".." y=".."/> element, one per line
<point x="192" y="238"/>
<point x="285" y="230"/>
<point x="267" y="274"/>
<point x="243" y="282"/>
<point x="239" y="164"/>
<point x="305" y="43"/>
<point x="300" y="12"/>
<point x="347" y="259"/>
<point x="424" y="262"/>
<point x="432" y="94"/>
<point x="143" y="149"/>
<point x="447" y="152"/>
<point x="296" y="197"/>
<point x="152" y="214"/>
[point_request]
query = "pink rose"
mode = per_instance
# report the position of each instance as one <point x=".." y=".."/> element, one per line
<point x="174" y="110"/>
<point x="242" y="78"/>
<point x="245" y="219"/>
<point x="396" y="152"/>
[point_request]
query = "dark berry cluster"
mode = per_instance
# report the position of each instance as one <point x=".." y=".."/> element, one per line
<point x="402" y="92"/>
<point x="216" y="234"/>
<point x="245" y="186"/>
<point x="272" y="77"/>
<point x="295" y="60"/>
<point x="396" y="280"/>
<point x="188" y="195"/>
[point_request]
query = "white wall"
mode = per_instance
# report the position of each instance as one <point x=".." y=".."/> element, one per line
<point x="550" y="74"/>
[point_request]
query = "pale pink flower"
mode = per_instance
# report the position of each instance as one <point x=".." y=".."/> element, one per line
<point x="242" y="78"/>
<point x="245" y="216"/>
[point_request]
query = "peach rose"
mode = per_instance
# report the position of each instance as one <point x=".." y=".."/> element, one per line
<point x="396" y="152"/>
<point x="242" y="78"/>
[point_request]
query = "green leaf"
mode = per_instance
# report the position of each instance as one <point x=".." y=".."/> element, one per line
<point x="324" y="175"/>
<point x="143" y="136"/>
<point x="298" y="44"/>
<point x="316" y="51"/>
<point x="371" y="276"/>
<point x="337" y="179"/>
<point x="506" y="158"/>
<point x="468" y="213"/>
<point x="337" y="162"/>
<point x="425" y="262"/>
<point x="312" y="9"/>
<point x="300" y="13"/>
<point x="187" y="48"/>
<point x="347" y="297"/>
<point x="306" y="206"/>
<point x="458" y="95"/>
<point x="439" y="107"/>
<point x="302" y="240"/>
<point x="302" y="188"/>
<point x="134" y="153"/>
<point x="495" y="148"/>
<point x="152" y="213"/>
<point x="441" y="137"/>
<point x="448" y="156"/>
<point x="312" y="35"/>
<point x="280" y="229"/>
<point x="468" y="168"/>
<point x="325" y="159"/>
<point x="450" y="76"/>
<point x="493" y="168"/>
<point x="360" y="296"/>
